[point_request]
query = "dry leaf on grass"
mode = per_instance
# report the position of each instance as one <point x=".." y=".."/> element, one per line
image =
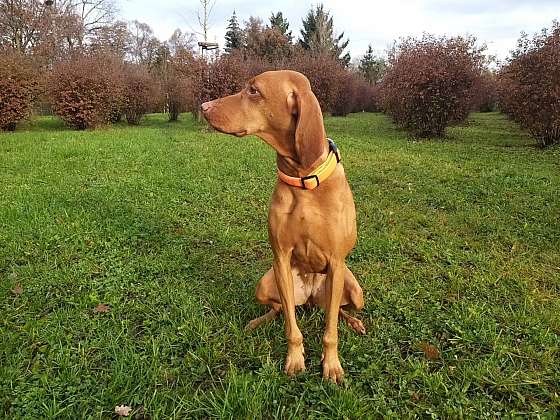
<point x="18" y="290"/>
<point x="430" y="351"/>
<point x="101" y="308"/>
<point x="122" y="410"/>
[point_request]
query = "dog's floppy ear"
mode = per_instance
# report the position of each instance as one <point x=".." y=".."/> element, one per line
<point x="310" y="132"/>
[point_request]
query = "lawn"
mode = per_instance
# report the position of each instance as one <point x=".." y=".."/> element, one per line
<point x="458" y="255"/>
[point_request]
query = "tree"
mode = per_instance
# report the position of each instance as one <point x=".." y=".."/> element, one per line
<point x="372" y="67"/>
<point x="143" y="43"/>
<point x="21" y="22"/>
<point x="281" y="24"/>
<point x="32" y="27"/>
<point x="264" y="42"/>
<point x="114" y="38"/>
<point x="234" y="34"/>
<point x="181" y="42"/>
<point x="318" y="35"/>
<point x="93" y="15"/>
<point x="204" y="16"/>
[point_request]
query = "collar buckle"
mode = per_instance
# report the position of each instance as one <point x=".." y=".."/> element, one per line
<point x="305" y="178"/>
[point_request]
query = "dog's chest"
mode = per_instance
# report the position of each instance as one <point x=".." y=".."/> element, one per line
<point x="313" y="226"/>
<point x="309" y="257"/>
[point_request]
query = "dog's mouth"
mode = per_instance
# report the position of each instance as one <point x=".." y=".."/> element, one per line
<point x="240" y="133"/>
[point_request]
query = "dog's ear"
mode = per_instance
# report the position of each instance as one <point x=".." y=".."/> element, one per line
<point x="310" y="132"/>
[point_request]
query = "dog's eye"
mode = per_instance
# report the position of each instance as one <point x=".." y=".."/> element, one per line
<point x="252" y="90"/>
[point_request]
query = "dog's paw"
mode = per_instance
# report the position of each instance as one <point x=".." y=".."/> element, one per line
<point x="251" y="325"/>
<point x="357" y="326"/>
<point x="295" y="362"/>
<point x="332" y="370"/>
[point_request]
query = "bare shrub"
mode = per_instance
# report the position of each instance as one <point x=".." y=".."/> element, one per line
<point x="18" y="88"/>
<point x="429" y="83"/>
<point x="87" y="90"/>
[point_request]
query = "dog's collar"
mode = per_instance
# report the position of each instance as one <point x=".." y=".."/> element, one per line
<point x="319" y="175"/>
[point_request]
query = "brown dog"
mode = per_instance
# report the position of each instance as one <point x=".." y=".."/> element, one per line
<point x="312" y="219"/>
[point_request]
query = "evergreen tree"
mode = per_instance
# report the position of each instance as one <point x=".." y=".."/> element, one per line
<point x="371" y="66"/>
<point x="234" y="35"/>
<point x="318" y="35"/>
<point x="281" y="24"/>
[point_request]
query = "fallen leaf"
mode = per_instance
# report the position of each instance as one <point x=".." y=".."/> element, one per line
<point x="122" y="410"/>
<point x="101" y="308"/>
<point x="430" y="351"/>
<point x="18" y="290"/>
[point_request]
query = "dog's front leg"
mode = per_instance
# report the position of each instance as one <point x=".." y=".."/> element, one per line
<point x="334" y="286"/>
<point x="285" y="283"/>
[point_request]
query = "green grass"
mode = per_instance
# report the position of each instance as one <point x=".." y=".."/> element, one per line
<point x="459" y="247"/>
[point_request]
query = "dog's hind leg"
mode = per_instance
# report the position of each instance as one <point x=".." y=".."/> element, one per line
<point x="269" y="316"/>
<point x="353" y="322"/>
<point x="267" y="294"/>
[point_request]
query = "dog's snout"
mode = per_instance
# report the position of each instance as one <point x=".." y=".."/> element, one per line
<point x="207" y="106"/>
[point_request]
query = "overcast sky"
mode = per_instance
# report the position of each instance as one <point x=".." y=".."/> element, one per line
<point x="498" y="23"/>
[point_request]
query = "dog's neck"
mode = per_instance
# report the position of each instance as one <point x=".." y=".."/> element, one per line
<point x="292" y="167"/>
<point x="286" y="157"/>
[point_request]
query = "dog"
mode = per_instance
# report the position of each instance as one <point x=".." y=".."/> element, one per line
<point x="312" y="217"/>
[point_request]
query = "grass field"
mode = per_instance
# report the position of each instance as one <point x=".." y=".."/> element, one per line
<point x="458" y="255"/>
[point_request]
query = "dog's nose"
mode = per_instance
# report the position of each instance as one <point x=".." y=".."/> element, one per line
<point x="207" y="106"/>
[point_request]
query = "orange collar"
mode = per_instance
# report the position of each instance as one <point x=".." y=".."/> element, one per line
<point x="321" y="173"/>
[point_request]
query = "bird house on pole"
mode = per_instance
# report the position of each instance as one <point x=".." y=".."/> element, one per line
<point x="207" y="46"/>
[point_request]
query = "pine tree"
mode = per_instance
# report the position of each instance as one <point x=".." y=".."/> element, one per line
<point x="371" y="66"/>
<point x="281" y="24"/>
<point x="234" y="35"/>
<point x="318" y="36"/>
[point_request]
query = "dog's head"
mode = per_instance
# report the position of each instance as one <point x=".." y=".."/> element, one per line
<point x="280" y="108"/>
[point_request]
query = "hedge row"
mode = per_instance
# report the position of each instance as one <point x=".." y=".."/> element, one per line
<point x="91" y="89"/>
<point x="430" y="83"/>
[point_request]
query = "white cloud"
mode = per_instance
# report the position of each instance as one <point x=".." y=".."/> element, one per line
<point x="497" y="23"/>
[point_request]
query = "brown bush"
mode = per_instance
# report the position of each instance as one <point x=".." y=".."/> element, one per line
<point x="338" y="90"/>
<point x="484" y="92"/>
<point x="180" y="95"/>
<point x="345" y="93"/>
<point x="142" y="93"/>
<point x="183" y="84"/>
<point x="529" y="85"/>
<point x="18" y="88"/>
<point x="428" y="85"/>
<point x="227" y="75"/>
<point x="365" y="95"/>
<point x="88" y="90"/>
<point x="323" y="72"/>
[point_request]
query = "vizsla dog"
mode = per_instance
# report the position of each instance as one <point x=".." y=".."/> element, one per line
<point x="312" y="219"/>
